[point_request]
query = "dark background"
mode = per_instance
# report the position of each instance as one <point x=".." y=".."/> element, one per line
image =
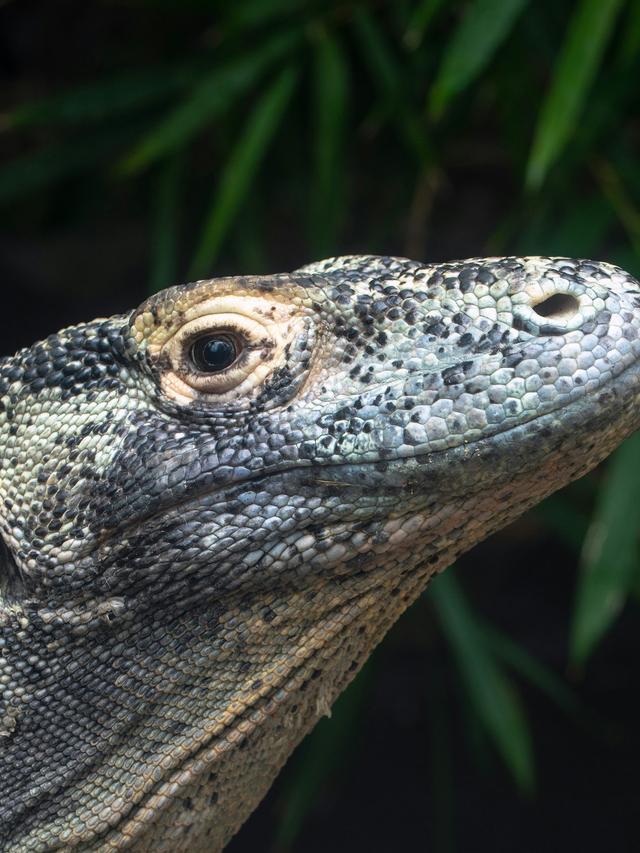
<point x="146" y="142"/>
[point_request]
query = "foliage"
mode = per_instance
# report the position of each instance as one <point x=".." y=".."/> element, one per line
<point x="347" y="117"/>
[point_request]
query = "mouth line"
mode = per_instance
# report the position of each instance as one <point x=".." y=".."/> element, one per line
<point x="303" y="467"/>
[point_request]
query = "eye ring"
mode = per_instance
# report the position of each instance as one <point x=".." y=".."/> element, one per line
<point x="259" y="338"/>
<point x="215" y="352"/>
<point x="218" y="354"/>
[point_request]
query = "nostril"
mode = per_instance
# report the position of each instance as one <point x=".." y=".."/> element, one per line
<point x="555" y="313"/>
<point x="559" y="306"/>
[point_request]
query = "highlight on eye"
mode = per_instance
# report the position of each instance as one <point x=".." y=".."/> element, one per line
<point x="215" y="352"/>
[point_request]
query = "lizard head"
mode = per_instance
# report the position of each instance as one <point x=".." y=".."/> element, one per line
<point x="260" y="431"/>
<point x="256" y="475"/>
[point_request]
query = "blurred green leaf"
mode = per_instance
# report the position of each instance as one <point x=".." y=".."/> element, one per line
<point x="564" y="519"/>
<point x="581" y="230"/>
<point x="164" y="249"/>
<point x="611" y="98"/>
<point x="589" y="31"/>
<point x="441" y="752"/>
<point x="107" y="99"/>
<point x="256" y="13"/>
<point x="578" y="230"/>
<point x="377" y="54"/>
<point x="615" y="191"/>
<point x="630" y="46"/>
<point x="627" y="163"/>
<point x="54" y="163"/>
<point x="319" y="757"/>
<point x="240" y="170"/>
<point x="490" y="692"/>
<point x="626" y="258"/>
<point x="392" y="84"/>
<point x="330" y="111"/>
<point x="526" y="665"/>
<point x="481" y="31"/>
<point x="214" y="94"/>
<point x="610" y="555"/>
<point x="249" y="241"/>
<point x="423" y="13"/>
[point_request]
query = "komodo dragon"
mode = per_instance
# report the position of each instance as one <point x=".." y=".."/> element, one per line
<point x="214" y="507"/>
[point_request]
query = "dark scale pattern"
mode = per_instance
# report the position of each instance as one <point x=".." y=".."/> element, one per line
<point x="194" y="564"/>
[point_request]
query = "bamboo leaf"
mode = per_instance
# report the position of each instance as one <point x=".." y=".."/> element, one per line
<point x="391" y="82"/>
<point x="441" y="760"/>
<point x="164" y="249"/>
<point x="106" y="99"/>
<point x="480" y="33"/>
<point x="251" y="14"/>
<point x="626" y="258"/>
<point x="610" y="554"/>
<point x="490" y="692"/>
<point x="630" y="47"/>
<point x="378" y="57"/>
<point x="330" y="111"/>
<point x="422" y="15"/>
<point x="564" y="519"/>
<point x="577" y="66"/>
<point x="249" y="241"/>
<point x="512" y="654"/>
<point x="212" y="96"/>
<point x="241" y="169"/>
<point x="56" y="162"/>
<point x="614" y="189"/>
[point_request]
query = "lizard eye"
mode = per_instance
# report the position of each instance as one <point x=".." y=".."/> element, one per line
<point x="214" y="353"/>
<point x="223" y="349"/>
<point x="221" y="355"/>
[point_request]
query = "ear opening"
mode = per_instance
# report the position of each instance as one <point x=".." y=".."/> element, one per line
<point x="12" y="586"/>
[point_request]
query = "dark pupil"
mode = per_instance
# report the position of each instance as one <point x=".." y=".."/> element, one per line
<point x="213" y="353"/>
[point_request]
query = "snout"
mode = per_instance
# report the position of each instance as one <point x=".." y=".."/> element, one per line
<point x="563" y="295"/>
<point x="478" y="348"/>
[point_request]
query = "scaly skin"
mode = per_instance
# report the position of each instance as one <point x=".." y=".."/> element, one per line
<point x="195" y="564"/>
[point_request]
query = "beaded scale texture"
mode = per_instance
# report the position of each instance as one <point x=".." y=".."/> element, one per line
<point x="214" y="507"/>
